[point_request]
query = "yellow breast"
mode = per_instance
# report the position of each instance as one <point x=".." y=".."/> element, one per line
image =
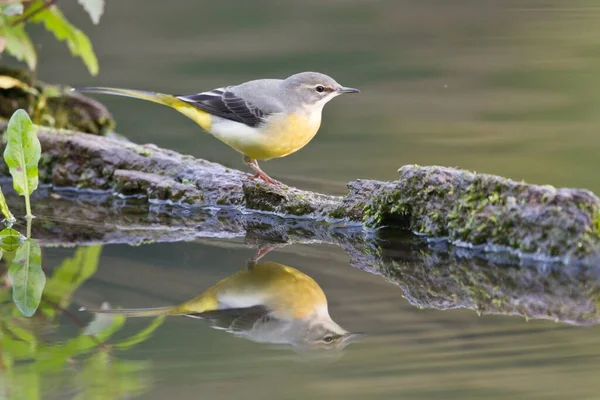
<point x="284" y="135"/>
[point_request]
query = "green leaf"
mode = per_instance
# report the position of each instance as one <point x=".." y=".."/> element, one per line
<point x="27" y="277"/>
<point x="78" y="42"/>
<point x="5" y="211"/>
<point x="95" y="8"/>
<point x="10" y="240"/>
<point x="18" y="44"/>
<point x="141" y="336"/>
<point x="22" y="153"/>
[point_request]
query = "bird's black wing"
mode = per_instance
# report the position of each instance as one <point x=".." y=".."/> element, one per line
<point x="235" y="319"/>
<point x="225" y="104"/>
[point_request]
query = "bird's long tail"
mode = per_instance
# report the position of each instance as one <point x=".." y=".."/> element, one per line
<point x="138" y="312"/>
<point x="201" y="117"/>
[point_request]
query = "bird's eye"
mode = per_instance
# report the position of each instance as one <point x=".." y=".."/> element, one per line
<point x="328" y="339"/>
<point x="320" y="89"/>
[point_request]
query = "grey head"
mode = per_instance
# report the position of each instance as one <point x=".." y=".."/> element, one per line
<point x="325" y="334"/>
<point x="314" y="88"/>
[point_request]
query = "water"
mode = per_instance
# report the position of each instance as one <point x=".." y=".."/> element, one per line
<point x="504" y="87"/>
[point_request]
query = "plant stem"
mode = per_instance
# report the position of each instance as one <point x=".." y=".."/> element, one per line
<point x="27" y="17"/>
<point x="28" y="216"/>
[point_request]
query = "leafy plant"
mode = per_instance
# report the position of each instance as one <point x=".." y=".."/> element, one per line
<point x="22" y="155"/>
<point x="15" y="40"/>
<point x="28" y="353"/>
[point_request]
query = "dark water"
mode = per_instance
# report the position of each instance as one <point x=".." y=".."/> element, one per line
<point x="505" y="87"/>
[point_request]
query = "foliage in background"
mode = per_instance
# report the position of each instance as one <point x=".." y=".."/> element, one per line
<point x="14" y="39"/>
<point x="28" y="351"/>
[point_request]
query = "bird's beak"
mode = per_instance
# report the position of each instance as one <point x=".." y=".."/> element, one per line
<point x="344" y="89"/>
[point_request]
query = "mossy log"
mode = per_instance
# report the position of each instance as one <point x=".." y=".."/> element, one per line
<point x="429" y="275"/>
<point x="483" y="211"/>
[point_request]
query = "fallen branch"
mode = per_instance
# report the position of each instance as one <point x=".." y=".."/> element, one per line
<point x="486" y="211"/>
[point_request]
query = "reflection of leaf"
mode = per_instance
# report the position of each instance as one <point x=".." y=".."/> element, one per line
<point x="71" y="274"/>
<point x="10" y="240"/>
<point x="27" y="277"/>
<point x="22" y="154"/>
<point x="23" y="383"/>
<point x="18" y="44"/>
<point x="17" y="349"/>
<point x="78" y="42"/>
<point x="53" y="357"/>
<point x="4" y="209"/>
<point x="127" y="378"/>
<point x="22" y="334"/>
<point x="95" y="8"/>
<point x="141" y="335"/>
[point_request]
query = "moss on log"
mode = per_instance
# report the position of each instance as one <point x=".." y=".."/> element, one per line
<point x="490" y="212"/>
<point x="464" y="208"/>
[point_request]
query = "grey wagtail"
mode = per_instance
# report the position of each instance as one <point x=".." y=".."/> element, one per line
<point x="262" y="119"/>
<point x="266" y="302"/>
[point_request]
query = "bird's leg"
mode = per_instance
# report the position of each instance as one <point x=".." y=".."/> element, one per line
<point x="259" y="173"/>
<point x="262" y="251"/>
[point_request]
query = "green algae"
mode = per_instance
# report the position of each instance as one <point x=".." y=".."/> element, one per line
<point x="481" y="209"/>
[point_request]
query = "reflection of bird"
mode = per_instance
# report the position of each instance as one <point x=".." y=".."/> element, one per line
<point x="262" y="119"/>
<point x="268" y="303"/>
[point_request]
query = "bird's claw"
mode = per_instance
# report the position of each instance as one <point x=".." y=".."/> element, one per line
<point x="261" y="175"/>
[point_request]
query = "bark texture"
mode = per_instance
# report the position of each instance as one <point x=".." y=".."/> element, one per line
<point x="489" y="212"/>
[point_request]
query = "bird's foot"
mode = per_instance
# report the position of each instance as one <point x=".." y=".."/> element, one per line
<point x="264" y="177"/>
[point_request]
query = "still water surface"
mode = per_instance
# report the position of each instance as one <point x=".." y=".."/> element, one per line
<point x="505" y="87"/>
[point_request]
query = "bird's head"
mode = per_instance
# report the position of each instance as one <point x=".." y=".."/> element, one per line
<point x="325" y="334"/>
<point x="314" y="88"/>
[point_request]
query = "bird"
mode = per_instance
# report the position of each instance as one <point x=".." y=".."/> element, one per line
<point x="262" y="119"/>
<point x="266" y="302"/>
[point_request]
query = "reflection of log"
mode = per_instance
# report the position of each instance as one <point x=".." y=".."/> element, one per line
<point x="457" y="279"/>
<point x="430" y="276"/>
<point x="478" y="209"/>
